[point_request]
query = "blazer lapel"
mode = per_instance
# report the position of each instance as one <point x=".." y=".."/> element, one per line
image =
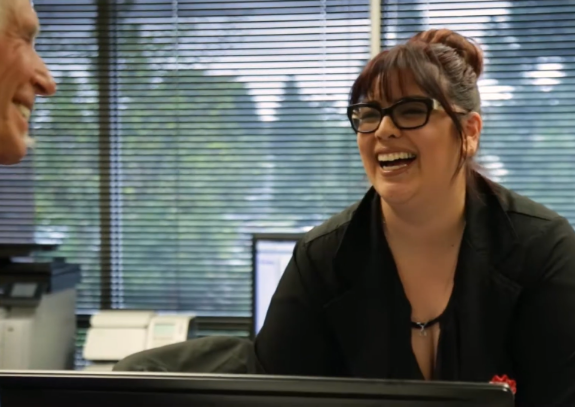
<point x="485" y="297"/>
<point x="485" y="304"/>
<point x="361" y="324"/>
<point x="360" y="315"/>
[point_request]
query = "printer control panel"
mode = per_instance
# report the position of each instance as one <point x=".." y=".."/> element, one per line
<point x="167" y="329"/>
<point x="21" y="293"/>
<point x="24" y="290"/>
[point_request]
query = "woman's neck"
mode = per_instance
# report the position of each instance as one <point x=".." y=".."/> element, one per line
<point x="437" y="220"/>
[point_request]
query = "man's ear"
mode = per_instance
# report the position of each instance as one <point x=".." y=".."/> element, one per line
<point x="472" y="125"/>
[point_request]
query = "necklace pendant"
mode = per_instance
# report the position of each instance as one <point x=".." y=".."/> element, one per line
<point x="422" y="326"/>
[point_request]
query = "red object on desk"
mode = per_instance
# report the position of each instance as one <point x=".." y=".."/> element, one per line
<point x="504" y="379"/>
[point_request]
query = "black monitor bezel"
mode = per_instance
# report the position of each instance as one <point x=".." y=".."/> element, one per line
<point x="149" y="382"/>
<point x="256" y="237"/>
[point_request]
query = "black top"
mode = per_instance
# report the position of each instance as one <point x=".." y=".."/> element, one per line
<point x="339" y="309"/>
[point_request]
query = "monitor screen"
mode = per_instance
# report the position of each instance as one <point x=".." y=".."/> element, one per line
<point x="72" y="389"/>
<point x="271" y="255"/>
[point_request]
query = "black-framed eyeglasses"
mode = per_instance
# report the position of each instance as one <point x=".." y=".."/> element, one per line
<point x="407" y="114"/>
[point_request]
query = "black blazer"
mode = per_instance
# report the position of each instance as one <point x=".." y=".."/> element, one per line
<point x="328" y="316"/>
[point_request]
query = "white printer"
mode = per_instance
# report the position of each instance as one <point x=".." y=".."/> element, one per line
<point x="115" y="334"/>
<point x="37" y="309"/>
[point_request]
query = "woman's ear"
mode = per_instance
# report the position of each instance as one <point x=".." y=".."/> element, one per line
<point x="472" y="124"/>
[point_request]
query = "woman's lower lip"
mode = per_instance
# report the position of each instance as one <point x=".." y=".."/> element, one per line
<point x="394" y="171"/>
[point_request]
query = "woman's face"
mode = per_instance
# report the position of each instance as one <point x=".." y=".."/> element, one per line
<point x="433" y="151"/>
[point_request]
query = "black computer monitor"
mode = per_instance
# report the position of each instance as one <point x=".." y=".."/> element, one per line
<point x="271" y="253"/>
<point x="74" y="389"/>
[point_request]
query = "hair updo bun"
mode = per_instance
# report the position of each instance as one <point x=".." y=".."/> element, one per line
<point x="465" y="48"/>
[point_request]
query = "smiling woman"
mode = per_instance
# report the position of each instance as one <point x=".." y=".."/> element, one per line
<point x="422" y="278"/>
<point x="441" y="69"/>
<point x="23" y="75"/>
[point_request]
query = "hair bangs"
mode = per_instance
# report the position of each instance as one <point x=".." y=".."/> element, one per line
<point x="387" y="76"/>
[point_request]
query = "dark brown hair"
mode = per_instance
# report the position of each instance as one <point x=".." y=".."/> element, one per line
<point x="443" y="63"/>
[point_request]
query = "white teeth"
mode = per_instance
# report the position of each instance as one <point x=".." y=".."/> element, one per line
<point x="394" y="156"/>
<point x="26" y="113"/>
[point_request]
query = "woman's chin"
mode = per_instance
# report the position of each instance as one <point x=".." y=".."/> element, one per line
<point x="395" y="193"/>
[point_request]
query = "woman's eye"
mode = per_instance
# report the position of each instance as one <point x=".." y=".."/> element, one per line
<point x="412" y="112"/>
<point x="369" y="116"/>
<point x="366" y="114"/>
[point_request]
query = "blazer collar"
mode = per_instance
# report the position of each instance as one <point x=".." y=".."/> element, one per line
<point x="485" y="298"/>
<point x="489" y="229"/>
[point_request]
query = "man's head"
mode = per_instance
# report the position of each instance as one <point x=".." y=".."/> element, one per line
<point x="23" y="75"/>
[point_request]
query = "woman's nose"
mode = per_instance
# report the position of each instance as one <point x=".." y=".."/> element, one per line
<point x="386" y="129"/>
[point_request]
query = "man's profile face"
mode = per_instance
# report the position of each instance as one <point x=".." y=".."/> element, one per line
<point x="23" y="75"/>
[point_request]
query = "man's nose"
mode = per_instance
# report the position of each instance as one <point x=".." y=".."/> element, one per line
<point x="44" y="83"/>
<point x="386" y="129"/>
